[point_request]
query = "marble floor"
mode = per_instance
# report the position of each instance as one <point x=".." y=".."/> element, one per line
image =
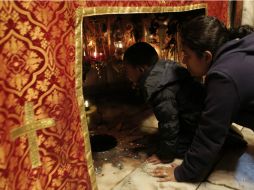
<point x="124" y="167"/>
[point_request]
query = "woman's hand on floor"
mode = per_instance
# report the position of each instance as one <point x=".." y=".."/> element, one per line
<point x="165" y="173"/>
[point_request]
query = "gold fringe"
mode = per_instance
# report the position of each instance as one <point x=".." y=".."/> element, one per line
<point x="92" y="11"/>
<point x="80" y="98"/>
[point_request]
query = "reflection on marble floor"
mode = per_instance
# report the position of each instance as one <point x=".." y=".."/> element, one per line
<point x="122" y="168"/>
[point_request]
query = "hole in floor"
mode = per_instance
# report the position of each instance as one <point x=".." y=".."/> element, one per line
<point x="102" y="142"/>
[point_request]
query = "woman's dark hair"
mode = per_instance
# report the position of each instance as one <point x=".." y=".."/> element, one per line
<point x="140" y="53"/>
<point x="209" y="33"/>
<point x="203" y="33"/>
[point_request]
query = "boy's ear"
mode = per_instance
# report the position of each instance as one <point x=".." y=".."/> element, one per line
<point x="141" y="69"/>
<point x="208" y="57"/>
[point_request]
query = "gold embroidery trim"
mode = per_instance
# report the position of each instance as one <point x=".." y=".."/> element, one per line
<point x="92" y="11"/>
<point x="29" y="128"/>
<point x="79" y="90"/>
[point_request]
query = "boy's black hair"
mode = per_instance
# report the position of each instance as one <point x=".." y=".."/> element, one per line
<point x="140" y="53"/>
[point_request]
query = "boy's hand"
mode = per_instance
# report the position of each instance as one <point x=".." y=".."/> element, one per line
<point x="165" y="173"/>
<point x="154" y="159"/>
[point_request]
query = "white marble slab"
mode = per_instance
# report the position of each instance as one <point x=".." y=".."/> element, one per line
<point x="248" y="12"/>
<point x="236" y="168"/>
<point x="140" y="179"/>
<point x="111" y="175"/>
<point x="209" y="186"/>
<point x="234" y="171"/>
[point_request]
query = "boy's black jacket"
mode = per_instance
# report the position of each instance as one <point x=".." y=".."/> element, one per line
<point x="177" y="101"/>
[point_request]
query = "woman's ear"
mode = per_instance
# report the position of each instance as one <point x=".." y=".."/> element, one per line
<point x="208" y="57"/>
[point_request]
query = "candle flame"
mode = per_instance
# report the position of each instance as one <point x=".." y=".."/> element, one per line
<point x="86" y="103"/>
